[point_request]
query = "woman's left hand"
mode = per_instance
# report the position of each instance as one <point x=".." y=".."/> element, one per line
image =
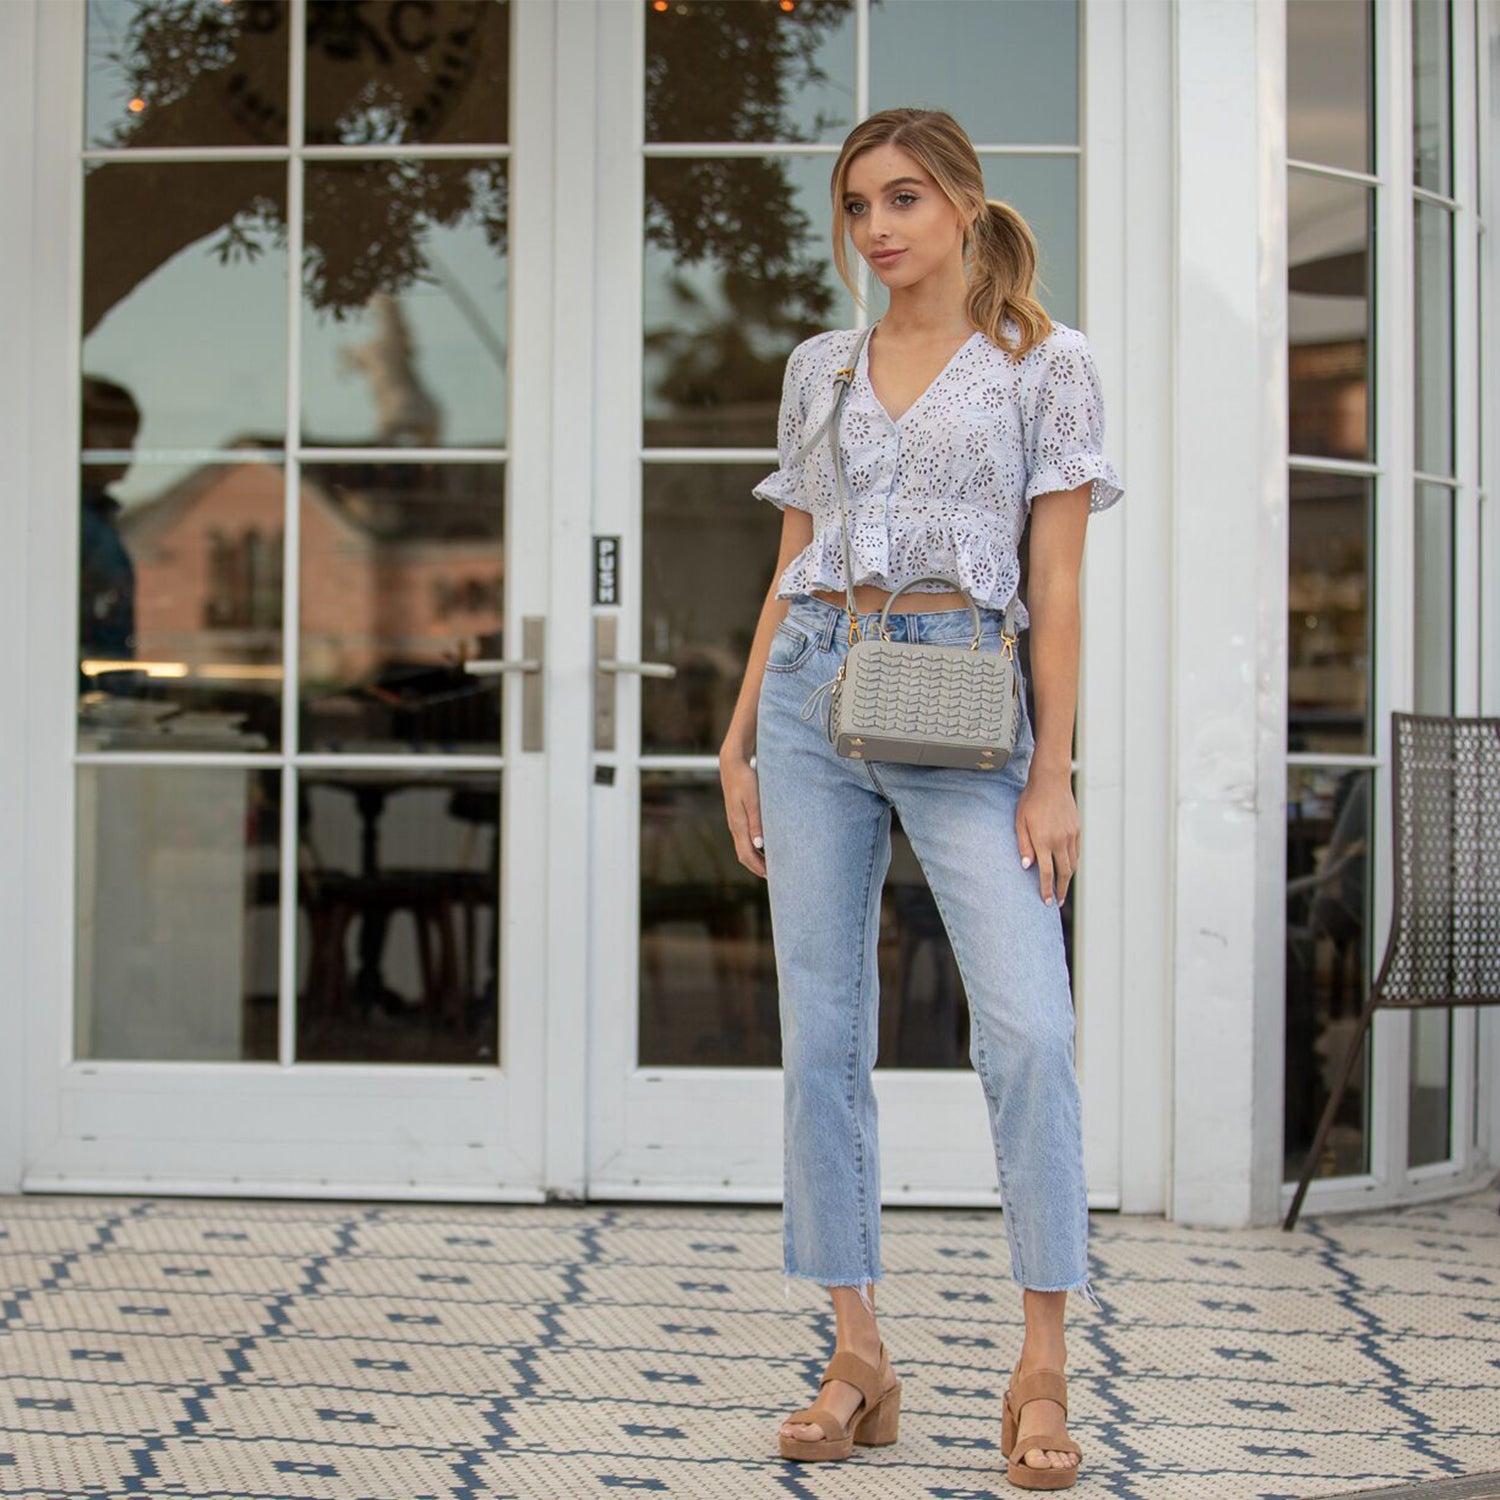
<point x="1047" y="829"/>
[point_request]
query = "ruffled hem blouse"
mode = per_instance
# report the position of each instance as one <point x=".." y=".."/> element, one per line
<point x="946" y="487"/>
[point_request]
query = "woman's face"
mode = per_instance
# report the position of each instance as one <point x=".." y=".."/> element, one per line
<point x="901" y="222"/>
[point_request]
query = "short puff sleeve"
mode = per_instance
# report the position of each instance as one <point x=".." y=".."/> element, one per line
<point x="1062" y="406"/>
<point x="784" y="486"/>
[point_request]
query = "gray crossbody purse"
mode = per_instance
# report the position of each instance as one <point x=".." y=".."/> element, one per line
<point x="915" y="701"/>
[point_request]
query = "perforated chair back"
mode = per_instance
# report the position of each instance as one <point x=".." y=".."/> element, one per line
<point x="1444" y="944"/>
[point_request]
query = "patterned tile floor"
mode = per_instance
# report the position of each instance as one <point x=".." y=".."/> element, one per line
<point x="296" y="1351"/>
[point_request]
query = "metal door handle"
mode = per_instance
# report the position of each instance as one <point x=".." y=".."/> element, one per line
<point x="493" y="666"/>
<point x="641" y="668"/>
<point x="534" y="644"/>
<point x="607" y="670"/>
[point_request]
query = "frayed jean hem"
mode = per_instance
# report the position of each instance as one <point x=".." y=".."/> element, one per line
<point x="853" y="1284"/>
<point x="1085" y="1288"/>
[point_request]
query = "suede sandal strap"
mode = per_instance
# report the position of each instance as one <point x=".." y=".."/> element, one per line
<point x="1055" y="1442"/>
<point x="1039" y="1385"/>
<point x="859" y="1373"/>
<point x="826" y="1421"/>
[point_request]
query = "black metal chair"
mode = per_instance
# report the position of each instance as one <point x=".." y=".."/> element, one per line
<point x="1444" y="943"/>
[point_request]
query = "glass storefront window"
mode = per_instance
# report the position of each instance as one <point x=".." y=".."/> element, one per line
<point x="1327" y="867"/>
<point x="923" y="51"/>
<point x="1432" y="95"/>
<point x="738" y="271"/>
<point x="405" y="293"/>
<point x="179" y="598"/>
<point x="399" y="932"/>
<point x="184" y="297"/>
<point x="176" y="934"/>
<point x="390" y="73"/>
<point x="1330" y="243"/>
<point x="1433" y="408"/>
<point x="722" y="70"/>
<point x="189" y="73"/>
<point x="708" y="552"/>
<point x="1328" y="613"/>
<point x="1330" y="83"/>
<point x="1435" y="564"/>
<point x="403" y="570"/>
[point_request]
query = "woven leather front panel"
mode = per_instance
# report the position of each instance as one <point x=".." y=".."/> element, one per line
<point x="900" y="691"/>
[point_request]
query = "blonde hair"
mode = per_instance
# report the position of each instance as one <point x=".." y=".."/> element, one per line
<point x="1000" y="251"/>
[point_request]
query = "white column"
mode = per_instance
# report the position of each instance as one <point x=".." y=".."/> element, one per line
<point x="1229" y="606"/>
<point x="17" y="165"/>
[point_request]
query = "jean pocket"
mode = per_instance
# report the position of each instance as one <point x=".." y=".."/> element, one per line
<point x="790" y="647"/>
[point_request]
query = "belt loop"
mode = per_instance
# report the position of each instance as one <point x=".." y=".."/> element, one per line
<point x="830" y="625"/>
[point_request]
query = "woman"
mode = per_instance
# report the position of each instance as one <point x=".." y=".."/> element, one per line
<point x="968" y="408"/>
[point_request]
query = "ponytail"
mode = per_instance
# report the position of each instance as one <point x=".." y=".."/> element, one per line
<point x="1002" y="256"/>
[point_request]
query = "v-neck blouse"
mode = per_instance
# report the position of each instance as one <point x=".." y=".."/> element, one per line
<point x="945" y="487"/>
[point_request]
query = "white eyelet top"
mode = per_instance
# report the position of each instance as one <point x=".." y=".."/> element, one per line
<point x="947" y="486"/>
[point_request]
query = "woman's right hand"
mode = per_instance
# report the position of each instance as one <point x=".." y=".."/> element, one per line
<point x="742" y="809"/>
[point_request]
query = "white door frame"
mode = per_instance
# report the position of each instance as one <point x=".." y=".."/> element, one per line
<point x="715" y="1133"/>
<point x="277" y="1128"/>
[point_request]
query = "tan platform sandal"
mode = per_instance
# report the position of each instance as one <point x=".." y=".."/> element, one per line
<point x="1036" y="1385"/>
<point x="875" y="1419"/>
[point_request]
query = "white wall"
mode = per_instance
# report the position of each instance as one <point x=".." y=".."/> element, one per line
<point x="1229" y="610"/>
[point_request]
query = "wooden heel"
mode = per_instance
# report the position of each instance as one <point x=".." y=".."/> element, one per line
<point x="880" y="1424"/>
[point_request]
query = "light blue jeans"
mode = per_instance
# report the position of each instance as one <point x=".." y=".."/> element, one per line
<point x="826" y="821"/>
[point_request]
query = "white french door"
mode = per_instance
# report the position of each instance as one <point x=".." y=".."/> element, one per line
<point x="288" y="933"/>
<point x="684" y="1096"/>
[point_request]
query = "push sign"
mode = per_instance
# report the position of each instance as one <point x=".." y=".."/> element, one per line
<point x="606" y="570"/>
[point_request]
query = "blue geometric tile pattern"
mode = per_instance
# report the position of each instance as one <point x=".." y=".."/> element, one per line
<point x="224" y="1350"/>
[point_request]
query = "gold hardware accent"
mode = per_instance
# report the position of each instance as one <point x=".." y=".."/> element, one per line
<point x="847" y="373"/>
<point x="1010" y="645"/>
<point x="856" y="742"/>
<point x="985" y="765"/>
<point x="856" y="755"/>
<point x="853" y="634"/>
<point x="986" y="752"/>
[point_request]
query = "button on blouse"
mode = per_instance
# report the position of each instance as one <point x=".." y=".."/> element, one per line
<point x="945" y="487"/>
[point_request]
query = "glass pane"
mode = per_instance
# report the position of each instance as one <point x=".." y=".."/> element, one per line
<point x="708" y="994"/>
<point x="176" y="945"/>
<point x="1430" y="1096"/>
<point x="1330" y="240"/>
<point x="184" y="297"/>
<point x="190" y="73"/>
<point x="179" y="597"/>
<point x="1432" y="91"/>
<point x="708" y="990"/>
<point x="1435" y="566"/>
<point x="1044" y="190"/>
<point x="721" y="70"/>
<point x="388" y="71"/>
<point x="402" y="580"/>
<point x="399" y="880"/>
<point x="738" y="271"/>
<point x="1330" y="114"/>
<point x="925" y="51"/>
<point x="1434" y="338"/>
<point x="1327" y="839"/>
<point x="405" y="286"/>
<point x="708" y="554"/>
<point x="1328" y="626"/>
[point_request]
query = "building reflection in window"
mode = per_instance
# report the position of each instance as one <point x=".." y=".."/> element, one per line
<point x="1328" y="818"/>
